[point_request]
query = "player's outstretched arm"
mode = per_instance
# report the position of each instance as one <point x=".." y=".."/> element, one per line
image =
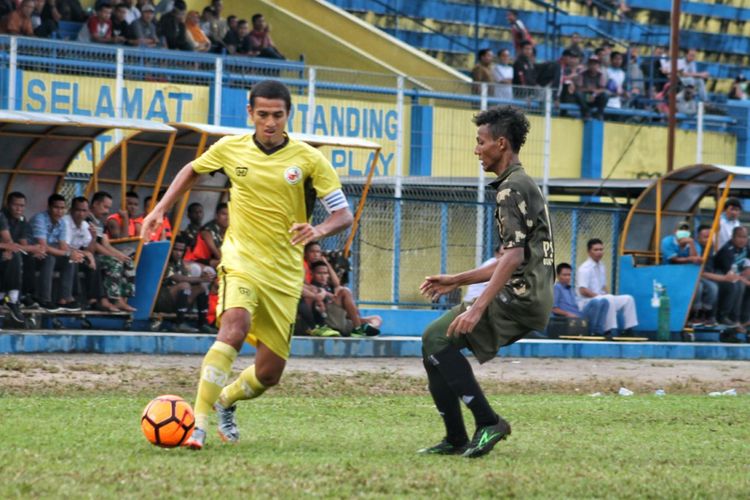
<point x="435" y="286"/>
<point x="508" y="262"/>
<point x="337" y="221"/>
<point x="182" y="182"/>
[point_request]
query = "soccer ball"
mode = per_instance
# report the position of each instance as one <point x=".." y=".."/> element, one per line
<point x="167" y="421"/>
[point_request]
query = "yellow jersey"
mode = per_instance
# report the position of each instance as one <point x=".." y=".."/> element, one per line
<point x="266" y="197"/>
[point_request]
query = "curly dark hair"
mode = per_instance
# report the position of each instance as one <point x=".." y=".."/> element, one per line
<point x="506" y="121"/>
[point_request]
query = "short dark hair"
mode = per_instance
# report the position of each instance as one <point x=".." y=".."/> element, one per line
<point x="100" y="196"/>
<point x="505" y="121"/>
<point x="104" y="4"/>
<point x="317" y="264"/>
<point x="77" y="200"/>
<point x="482" y="52"/>
<point x="562" y="266"/>
<point x="55" y="197"/>
<point x="241" y="22"/>
<point x="737" y="230"/>
<point x="210" y="10"/>
<point x="180" y="5"/>
<point x="14" y="196"/>
<point x="122" y="6"/>
<point x="703" y="227"/>
<point x="131" y="194"/>
<point x="193" y="206"/>
<point x="525" y="43"/>
<point x="230" y="17"/>
<point x="256" y="17"/>
<point x="180" y="238"/>
<point x="222" y="206"/>
<point x="310" y="245"/>
<point x="733" y="202"/>
<point x="592" y="242"/>
<point x="271" y="89"/>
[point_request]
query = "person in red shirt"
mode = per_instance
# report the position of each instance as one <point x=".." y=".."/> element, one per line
<point x="261" y="44"/>
<point x="518" y="31"/>
<point x="99" y="26"/>
<point x="123" y="223"/>
<point x="18" y="22"/>
<point x="163" y="230"/>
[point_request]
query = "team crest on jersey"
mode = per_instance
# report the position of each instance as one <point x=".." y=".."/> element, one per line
<point x="293" y="175"/>
<point x="241" y="171"/>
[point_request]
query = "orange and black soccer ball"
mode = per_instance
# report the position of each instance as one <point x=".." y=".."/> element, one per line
<point x="167" y="421"/>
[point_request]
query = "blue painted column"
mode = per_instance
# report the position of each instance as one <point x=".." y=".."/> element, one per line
<point x="489" y="224"/>
<point x="233" y="107"/>
<point x="593" y="148"/>
<point x="395" y="293"/>
<point x="420" y="155"/>
<point x="740" y="111"/>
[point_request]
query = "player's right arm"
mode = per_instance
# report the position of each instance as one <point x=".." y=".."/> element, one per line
<point x="182" y="183"/>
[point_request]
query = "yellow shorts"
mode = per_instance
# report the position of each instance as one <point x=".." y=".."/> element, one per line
<point x="272" y="314"/>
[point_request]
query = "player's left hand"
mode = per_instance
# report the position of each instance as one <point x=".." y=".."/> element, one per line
<point x="464" y="322"/>
<point x="304" y="233"/>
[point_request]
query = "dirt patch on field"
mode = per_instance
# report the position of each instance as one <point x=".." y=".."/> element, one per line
<point x="74" y="374"/>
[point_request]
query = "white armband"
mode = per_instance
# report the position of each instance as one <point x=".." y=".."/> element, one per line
<point x="334" y="201"/>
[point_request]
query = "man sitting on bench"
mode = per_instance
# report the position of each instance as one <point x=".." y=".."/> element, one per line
<point x="566" y="306"/>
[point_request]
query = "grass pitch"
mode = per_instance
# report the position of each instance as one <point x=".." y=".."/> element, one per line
<point x="325" y="436"/>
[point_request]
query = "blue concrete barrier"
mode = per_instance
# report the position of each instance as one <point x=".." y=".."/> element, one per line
<point x="393" y="346"/>
<point x="404" y="322"/>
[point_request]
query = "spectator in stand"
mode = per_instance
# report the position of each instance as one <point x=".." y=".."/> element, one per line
<point x="591" y="282"/>
<point x="132" y="11"/>
<point x="6" y="7"/>
<point x="616" y="80"/>
<point x="567" y="90"/>
<point x="707" y="294"/>
<point x="143" y="32"/>
<point x="592" y="83"/>
<point x="686" y="102"/>
<point x="604" y="53"/>
<point x="518" y="32"/>
<point x="502" y="75"/>
<point x="483" y="71"/>
<point x="636" y="81"/>
<point x="653" y="70"/>
<point x="165" y="6"/>
<point x="576" y="44"/>
<point x="120" y="26"/>
<point x="738" y="92"/>
<point x="208" y="18"/>
<point x="729" y="220"/>
<point x="118" y="270"/>
<point x="180" y="290"/>
<point x="732" y="261"/>
<point x="524" y="72"/>
<point x="261" y="44"/>
<point x="164" y="231"/>
<point x="232" y="23"/>
<point x="213" y="233"/>
<point x="689" y="74"/>
<point x="50" y="232"/>
<point x="98" y="28"/>
<point x="11" y="266"/>
<point x="45" y="19"/>
<point x="195" y="35"/>
<point x="20" y="233"/>
<point x="82" y="237"/>
<point x="680" y="248"/>
<point x="71" y="11"/>
<point x="237" y="41"/>
<point x="172" y="29"/>
<point x="18" y="22"/>
<point x="564" y="303"/>
<point x="219" y="25"/>
<point x="123" y="223"/>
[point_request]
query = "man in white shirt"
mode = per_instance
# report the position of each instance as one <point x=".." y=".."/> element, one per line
<point x="81" y="236"/>
<point x="728" y="221"/>
<point x="591" y="282"/>
<point x="475" y="290"/>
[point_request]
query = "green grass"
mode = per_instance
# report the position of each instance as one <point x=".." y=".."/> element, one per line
<point x="297" y="444"/>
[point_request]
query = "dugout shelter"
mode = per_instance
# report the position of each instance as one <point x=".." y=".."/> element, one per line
<point x="672" y="198"/>
<point x="131" y="165"/>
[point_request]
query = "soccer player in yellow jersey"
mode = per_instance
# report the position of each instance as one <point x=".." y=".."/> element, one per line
<point x="261" y="271"/>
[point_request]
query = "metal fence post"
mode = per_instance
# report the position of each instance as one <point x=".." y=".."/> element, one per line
<point x="615" y="247"/>
<point x="444" y="238"/>
<point x="574" y="243"/>
<point x="310" y="121"/>
<point x="699" y="134"/>
<point x="395" y="293"/>
<point x="354" y="277"/>
<point x="218" y="84"/>
<point x="547" y="139"/>
<point x="12" y="73"/>
<point x="119" y="82"/>
<point x="479" y="252"/>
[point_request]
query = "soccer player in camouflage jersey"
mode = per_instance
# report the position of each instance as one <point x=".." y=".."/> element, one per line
<point x="517" y="300"/>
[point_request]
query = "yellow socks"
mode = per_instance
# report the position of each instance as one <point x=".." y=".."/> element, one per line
<point x="215" y="370"/>
<point x="247" y="386"/>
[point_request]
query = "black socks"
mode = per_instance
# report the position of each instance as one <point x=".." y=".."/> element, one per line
<point x="447" y="405"/>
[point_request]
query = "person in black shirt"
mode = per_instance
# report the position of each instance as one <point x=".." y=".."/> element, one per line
<point x="733" y="261"/>
<point x="71" y="10"/>
<point x="172" y="28"/>
<point x="120" y="28"/>
<point x="238" y="41"/>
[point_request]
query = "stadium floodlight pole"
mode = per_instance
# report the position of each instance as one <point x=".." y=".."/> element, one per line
<point x="699" y="134"/>
<point x="674" y="52"/>
<point x="12" y="73"/>
<point x="479" y="254"/>
<point x="310" y="121"/>
<point x="218" y="80"/>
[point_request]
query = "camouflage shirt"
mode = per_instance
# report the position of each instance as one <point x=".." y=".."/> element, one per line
<point x="216" y="232"/>
<point x="174" y="268"/>
<point x="522" y="219"/>
<point x="190" y="234"/>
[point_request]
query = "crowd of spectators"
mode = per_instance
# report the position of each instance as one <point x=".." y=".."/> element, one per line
<point x="594" y="78"/>
<point x="141" y="23"/>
